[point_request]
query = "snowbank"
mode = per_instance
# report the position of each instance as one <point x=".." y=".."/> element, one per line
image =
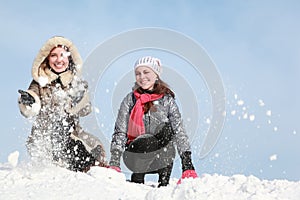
<point x="25" y="181"/>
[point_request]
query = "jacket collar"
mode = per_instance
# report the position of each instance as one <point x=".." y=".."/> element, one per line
<point x="65" y="77"/>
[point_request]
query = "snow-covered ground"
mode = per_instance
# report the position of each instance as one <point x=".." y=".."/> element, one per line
<point x="25" y="181"/>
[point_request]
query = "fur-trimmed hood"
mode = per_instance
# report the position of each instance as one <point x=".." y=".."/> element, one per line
<point x="42" y="74"/>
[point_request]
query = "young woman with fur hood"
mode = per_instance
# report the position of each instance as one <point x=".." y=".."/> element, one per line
<point x="55" y="99"/>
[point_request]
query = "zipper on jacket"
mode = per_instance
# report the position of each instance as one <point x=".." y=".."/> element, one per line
<point x="147" y="118"/>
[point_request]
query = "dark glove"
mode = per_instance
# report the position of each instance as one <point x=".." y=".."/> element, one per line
<point x="26" y="98"/>
<point x="186" y="161"/>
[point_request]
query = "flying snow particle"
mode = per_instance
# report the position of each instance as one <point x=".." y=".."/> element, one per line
<point x="97" y="110"/>
<point x="261" y="102"/>
<point x="208" y="121"/>
<point x="224" y="113"/>
<point x="245" y="116"/>
<point x="275" y="128"/>
<point x="66" y="54"/>
<point x="240" y="102"/>
<point x="36" y="107"/>
<point x="71" y="129"/>
<point x="273" y="157"/>
<point x="233" y="112"/>
<point x="251" y="117"/>
<point x="65" y="123"/>
<point x="268" y="113"/>
<point x="107" y="90"/>
<point x="43" y="81"/>
<point x="235" y="96"/>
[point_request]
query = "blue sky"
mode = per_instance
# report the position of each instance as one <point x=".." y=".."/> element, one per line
<point x="255" y="45"/>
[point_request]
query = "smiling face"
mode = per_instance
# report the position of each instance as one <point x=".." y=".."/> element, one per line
<point x="145" y="77"/>
<point x="58" y="59"/>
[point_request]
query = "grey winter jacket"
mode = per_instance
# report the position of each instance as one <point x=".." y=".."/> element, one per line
<point x="167" y="111"/>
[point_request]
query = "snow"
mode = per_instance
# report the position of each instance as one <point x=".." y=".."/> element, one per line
<point x="261" y="102"/>
<point x="13" y="158"/>
<point x="273" y="157"/>
<point x="97" y="110"/>
<point x="252" y="117"/>
<point x="65" y="55"/>
<point x="269" y="113"/>
<point x="233" y="112"/>
<point x="42" y="81"/>
<point x="208" y="121"/>
<point x="28" y="181"/>
<point x="294" y="132"/>
<point x="240" y="102"/>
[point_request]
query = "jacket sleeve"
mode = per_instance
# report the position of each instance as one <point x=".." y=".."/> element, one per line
<point x="119" y="137"/>
<point x="180" y="137"/>
<point x="33" y="110"/>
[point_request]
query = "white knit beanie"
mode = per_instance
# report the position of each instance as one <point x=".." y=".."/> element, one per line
<point x="151" y="62"/>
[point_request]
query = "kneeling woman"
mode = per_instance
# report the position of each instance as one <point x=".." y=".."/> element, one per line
<point x="148" y="126"/>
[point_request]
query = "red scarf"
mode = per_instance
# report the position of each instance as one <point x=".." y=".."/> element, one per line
<point x="136" y="124"/>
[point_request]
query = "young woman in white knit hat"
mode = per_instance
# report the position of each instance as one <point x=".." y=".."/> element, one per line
<point x="55" y="99"/>
<point x="149" y="126"/>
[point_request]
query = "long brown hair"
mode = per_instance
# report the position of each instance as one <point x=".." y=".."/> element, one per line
<point x="160" y="87"/>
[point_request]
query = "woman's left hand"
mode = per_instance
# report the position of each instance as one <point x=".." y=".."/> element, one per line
<point x="188" y="174"/>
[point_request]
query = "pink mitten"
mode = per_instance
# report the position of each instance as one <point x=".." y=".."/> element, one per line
<point x="188" y="174"/>
<point x="118" y="169"/>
